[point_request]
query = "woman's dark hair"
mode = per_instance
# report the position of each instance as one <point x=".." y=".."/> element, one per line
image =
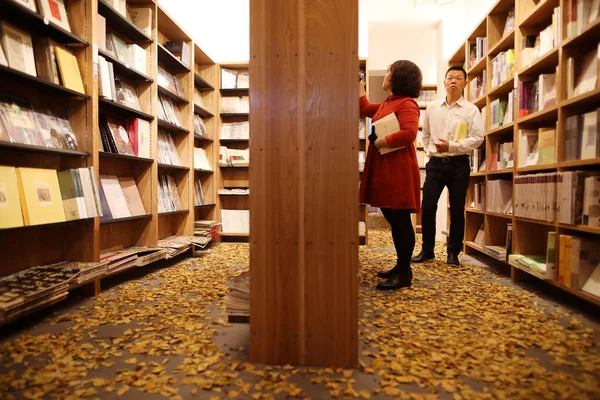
<point x="406" y="79"/>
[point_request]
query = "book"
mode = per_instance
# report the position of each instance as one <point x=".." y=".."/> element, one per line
<point x="55" y="11"/>
<point x="121" y="49"/>
<point x="138" y="58"/>
<point x="592" y="285"/>
<point x="180" y="50"/>
<point x="45" y="59"/>
<point x="18" y="48"/>
<point x="142" y="18"/>
<point x="121" y="138"/>
<point x="41" y="200"/>
<point x="69" y="70"/>
<point x="72" y="194"/>
<point x="10" y="202"/>
<point x="20" y="124"/>
<point x="132" y="196"/>
<point x="386" y="126"/>
<point x="127" y="93"/>
<point x="115" y="199"/>
<point x="547" y="145"/>
<point x="586" y="75"/>
<point x="589" y="138"/>
<point x="100" y="31"/>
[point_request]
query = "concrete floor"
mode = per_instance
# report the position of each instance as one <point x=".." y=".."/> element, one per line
<point x="466" y="333"/>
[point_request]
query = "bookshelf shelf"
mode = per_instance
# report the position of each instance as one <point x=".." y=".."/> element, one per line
<point x="201" y="83"/>
<point x="225" y="115"/>
<point x="172" y="127"/>
<point x="35" y="23"/>
<point x="178" y="212"/>
<point x="27" y="79"/>
<point x="204" y="138"/>
<point x="584" y="99"/>
<point x="172" y="63"/>
<point x="458" y="58"/>
<point x="499" y="215"/>
<point x="206" y="205"/>
<point x="474" y="210"/>
<point x="508" y="128"/>
<point x="581" y="228"/>
<point x="126" y="219"/>
<point x="175" y="97"/>
<point x="536" y="168"/>
<point x="503" y="89"/>
<point x="204" y="113"/>
<point x="481" y="102"/>
<point x="123" y="108"/>
<point x="123" y="69"/>
<point x="544" y="64"/>
<point x="579" y="163"/>
<point x="549" y="114"/>
<point x="235" y="92"/>
<point x="507" y="42"/>
<point x="105" y="155"/>
<point x="173" y="167"/>
<point x="535" y="221"/>
<point x="234" y="140"/>
<point x="118" y="22"/>
<point x="39" y="149"/>
<point x="474" y="245"/>
<point x="204" y="171"/>
<point x="52" y="225"/>
<point x="478" y="174"/>
<point x="478" y="67"/>
<point x="589" y="34"/>
<point x="505" y="171"/>
<point x="542" y="13"/>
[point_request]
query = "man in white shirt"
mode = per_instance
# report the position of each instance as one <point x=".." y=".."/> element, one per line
<point x="451" y="130"/>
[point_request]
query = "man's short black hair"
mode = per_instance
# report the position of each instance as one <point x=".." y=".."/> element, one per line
<point x="406" y="79"/>
<point x="456" y="68"/>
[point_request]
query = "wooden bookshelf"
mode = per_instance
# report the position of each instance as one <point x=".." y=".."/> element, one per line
<point x="528" y="234"/>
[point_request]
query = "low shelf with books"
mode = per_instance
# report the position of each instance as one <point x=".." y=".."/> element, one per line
<point x="123" y="69"/>
<point x="7" y="73"/>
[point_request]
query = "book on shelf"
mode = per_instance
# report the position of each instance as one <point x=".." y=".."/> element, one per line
<point x="547" y="90"/>
<point x="362" y="157"/>
<point x="181" y="51"/>
<point x="234" y="192"/>
<point x="121" y="49"/>
<point x="478" y="201"/>
<point x="45" y="59"/>
<point x="126" y="93"/>
<point x="509" y="24"/>
<point x="199" y="127"/>
<point x="112" y="198"/>
<point x="10" y="203"/>
<point x="31" y="4"/>
<point x="234" y="79"/>
<point x="577" y="197"/>
<point x="168" y="111"/>
<point x="235" y="130"/>
<point x="591" y="199"/>
<point x="18" y="47"/>
<point x="41" y="200"/>
<point x="587" y="72"/>
<point x="201" y="160"/>
<point x="198" y="193"/>
<point x="55" y="11"/>
<point x="69" y="70"/>
<point x="132" y="196"/>
<point x="169" y="82"/>
<point x="580" y="13"/>
<point x="119" y="5"/>
<point x="141" y="17"/>
<point x="426" y="97"/>
<point x="233" y="157"/>
<point x="480" y="236"/>
<point x="581" y="139"/>
<point x="21" y="124"/>
<point x="547" y="145"/>
<point x="138" y="58"/>
<point x="100" y="31"/>
<point x="528" y="148"/>
<point x="73" y="197"/>
<point x="500" y="108"/>
<point x="167" y="151"/>
<point x="168" y="195"/>
<point x="535" y="196"/>
<point x="533" y="264"/>
<point x="139" y="136"/>
<point x="235" y="104"/>
<point x="235" y="221"/>
<point x="499" y="196"/>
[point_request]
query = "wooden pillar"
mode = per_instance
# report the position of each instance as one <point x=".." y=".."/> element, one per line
<point x="303" y="168"/>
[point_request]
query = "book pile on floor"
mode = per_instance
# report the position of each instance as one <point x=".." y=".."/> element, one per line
<point x="88" y="271"/>
<point x="176" y="245"/>
<point x="33" y="289"/>
<point x="139" y="256"/>
<point x="237" y="300"/>
<point x="207" y="228"/>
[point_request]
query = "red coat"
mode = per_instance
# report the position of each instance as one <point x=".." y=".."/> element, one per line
<point x="393" y="180"/>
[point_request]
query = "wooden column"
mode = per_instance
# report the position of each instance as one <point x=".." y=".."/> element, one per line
<point x="303" y="168"/>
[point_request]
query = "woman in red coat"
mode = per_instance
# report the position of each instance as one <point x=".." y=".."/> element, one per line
<point x="392" y="181"/>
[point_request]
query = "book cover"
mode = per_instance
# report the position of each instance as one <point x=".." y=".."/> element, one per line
<point x="98" y="205"/>
<point x="132" y="196"/>
<point x="127" y="93"/>
<point x="174" y="192"/>
<point x="41" y="200"/>
<point x="121" y="138"/>
<point x="586" y="75"/>
<point x="181" y="50"/>
<point x="115" y="198"/>
<point x="143" y="137"/>
<point x="547" y="145"/>
<point x="10" y="202"/>
<point x="20" y="124"/>
<point x="45" y="59"/>
<point x="69" y="70"/>
<point x="71" y="195"/>
<point x="18" y="48"/>
<point x="55" y="11"/>
<point x="121" y="49"/>
<point x="589" y="139"/>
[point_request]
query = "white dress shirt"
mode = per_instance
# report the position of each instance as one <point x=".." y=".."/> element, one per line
<point x="441" y="120"/>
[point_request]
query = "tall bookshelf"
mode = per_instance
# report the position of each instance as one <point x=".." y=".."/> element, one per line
<point x="205" y="72"/>
<point x="177" y="222"/>
<point x="233" y="177"/>
<point x="84" y="240"/>
<point x="528" y="234"/>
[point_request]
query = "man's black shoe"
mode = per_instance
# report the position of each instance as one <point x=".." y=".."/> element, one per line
<point x="453" y="260"/>
<point x="386" y="274"/>
<point x="422" y="257"/>
<point x="395" y="282"/>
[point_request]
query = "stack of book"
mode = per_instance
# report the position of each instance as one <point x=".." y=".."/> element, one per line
<point x="201" y="159"/>
<point x="118" y="260"/>
<point x="198" y="193"/>
<point x="578" y="194"/>
<point x="168" y="195"/>
<point x="207" y="228"/>
<point x="132" y="138"/>
<point x="199" y="127"/>
<point x="167" y="151"/>
<point x="120" y="198"/>
<point x="176" y="245"/>
<point x="499" y="196"/>
<point x="237" y="300"/>
<point x="503" y="67"/>
<point x="170" y="82"/>
<point x="234" y="192"/>
<point x="234" y="157"/>
<point x="167" y="111"/>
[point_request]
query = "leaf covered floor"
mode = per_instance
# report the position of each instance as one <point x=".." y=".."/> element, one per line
<point x="458" y="333"/>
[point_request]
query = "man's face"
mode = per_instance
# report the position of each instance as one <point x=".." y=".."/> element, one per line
<point x="455" y="82"/>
